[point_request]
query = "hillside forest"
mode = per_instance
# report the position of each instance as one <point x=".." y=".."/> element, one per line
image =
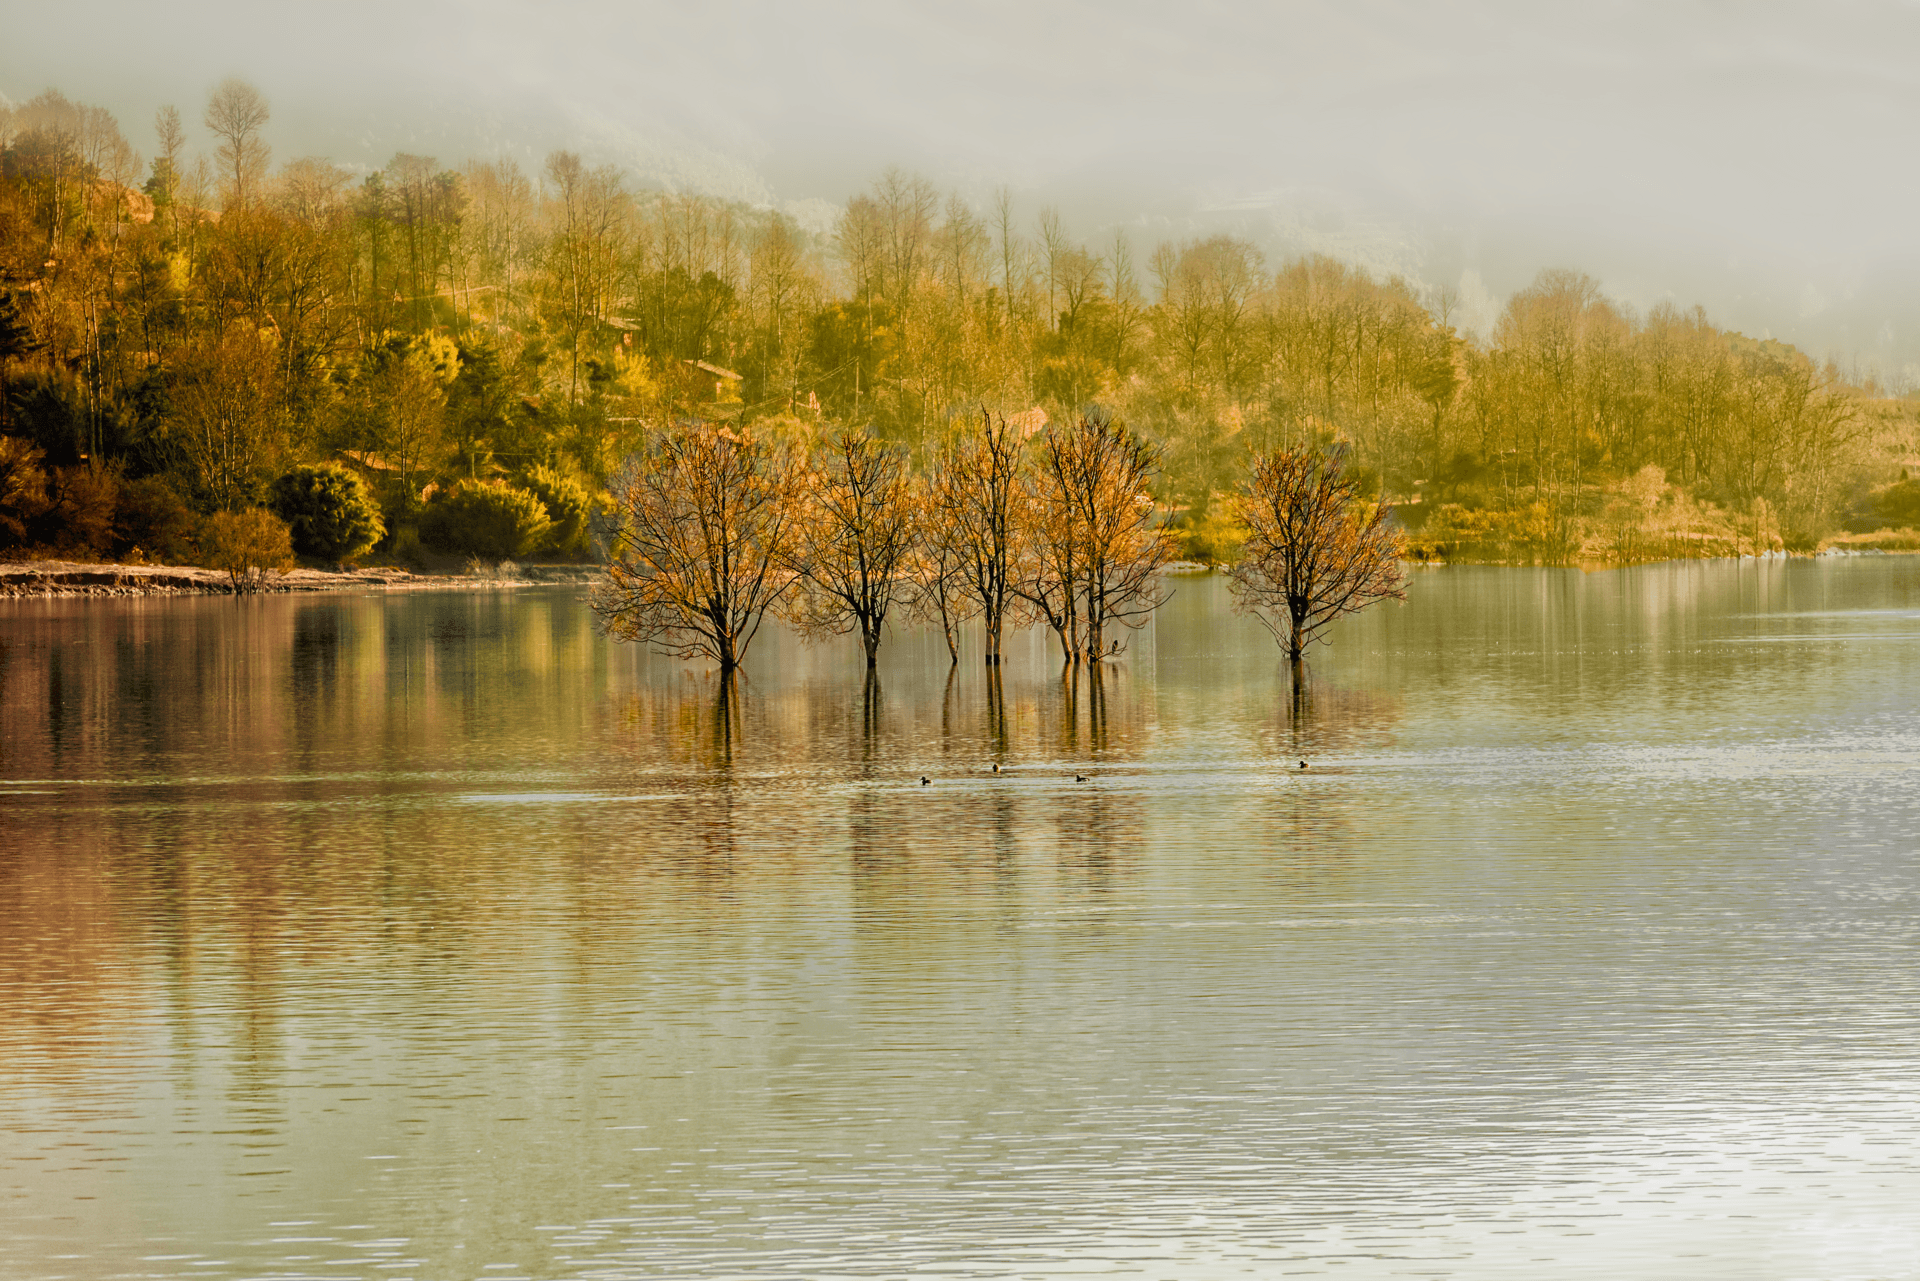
<point x="185" y="321"/>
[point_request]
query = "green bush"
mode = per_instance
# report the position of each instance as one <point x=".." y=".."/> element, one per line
<point x="248" y="544"/>
<point x="568" y="506"/>
<point x="329" y="511"/>
<point x="1899" y="503"/>
<point x="493" y="522"/>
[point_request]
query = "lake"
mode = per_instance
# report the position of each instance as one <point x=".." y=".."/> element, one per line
<point x="435" y="935"/>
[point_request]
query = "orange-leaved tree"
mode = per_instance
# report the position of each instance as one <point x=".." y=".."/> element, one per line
<point x="855" y="534"/>
<point x="977" y="501"/>
<point x="703" y="534"/>
<point x="1096" y="546"/>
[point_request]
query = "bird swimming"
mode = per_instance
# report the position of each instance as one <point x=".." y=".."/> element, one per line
<point x="1303" y="764"/>
<point x="1079" y="778"/>
<point x="924" y="780"/>
<point x="996" y="767"/>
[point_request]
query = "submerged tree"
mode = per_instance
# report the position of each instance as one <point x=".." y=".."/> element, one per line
<point x="854" y="538"/>
<point x="935" y="584"/>
<point x="977" y="502"/>
<point x="702" y="539"/>
<point x="1096" y="549"/>
<point x="1316" y="549"/>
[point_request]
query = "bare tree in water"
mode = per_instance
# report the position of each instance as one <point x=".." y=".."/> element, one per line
<point x="977" y="499"/>
<point x="854" y="539"/>
<point x="935" y="585"/>
<point x="703" y="536"/>
<point x="1096" y="548"/>
<point x="1316" y="550"/>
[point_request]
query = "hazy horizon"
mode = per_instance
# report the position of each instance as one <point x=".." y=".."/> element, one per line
<point x="1747" y="161"/>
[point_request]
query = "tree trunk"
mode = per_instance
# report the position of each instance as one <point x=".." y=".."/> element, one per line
<point x="870" y="708"/>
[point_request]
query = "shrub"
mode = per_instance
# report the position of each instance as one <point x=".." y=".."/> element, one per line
<point x="249" y="545"/>
<point x="329" y="511"/>
<point x="23" y="490"/>
<point x="1881" y="540"/>
<point x="1535" y="534"/>
<point x="1215" y="538"/>
<point x="406" y="548"/>
<point x="493" y="522"/>
<point x="569" y="506"/>
<point x="67" y="509"/>
<point x="1899" y="503"/>
<point x="81" y="501"/>
<point x="153" y="521"/>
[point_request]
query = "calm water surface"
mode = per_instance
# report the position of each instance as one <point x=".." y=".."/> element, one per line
<point x="433" y="935"/>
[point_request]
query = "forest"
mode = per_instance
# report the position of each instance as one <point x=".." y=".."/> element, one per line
<point x="188" y="331"/>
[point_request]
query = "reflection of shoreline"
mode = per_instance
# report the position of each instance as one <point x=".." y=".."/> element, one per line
<point x="52" y="579"/>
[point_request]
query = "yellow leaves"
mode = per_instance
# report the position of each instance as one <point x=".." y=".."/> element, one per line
<point x="438" y="354"/>
<point x="633" y="374"/>
<point x="1217" y="537"/>
<point x="1646" y="487"/>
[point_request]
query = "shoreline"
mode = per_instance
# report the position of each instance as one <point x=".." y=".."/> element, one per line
<point x="63" y="579"/>
<point x="53" y="579"/>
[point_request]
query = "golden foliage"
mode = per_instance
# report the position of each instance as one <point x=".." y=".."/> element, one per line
<point x="704" y="537"/>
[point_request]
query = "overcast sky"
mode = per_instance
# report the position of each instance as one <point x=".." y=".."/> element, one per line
<point x="1756" y="158"/>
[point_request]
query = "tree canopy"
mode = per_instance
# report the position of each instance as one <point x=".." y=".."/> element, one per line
<point x="205" y="318"/>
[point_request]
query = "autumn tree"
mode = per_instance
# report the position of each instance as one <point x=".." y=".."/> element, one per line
<point x="1316" y="550"/>
<point x="704" y="530"/>
<point x="251" y="545"/>
<point x="16" y="341"/>
<point x="934" y="569"/>
<point x="586" y="214"/>
<point x="780" y="290"/>
<point x="1095" y="549"/>
<point x="235" y="115"/>
<point x="853" y="539"/>
<point x="495" y="245"/>
<point x="397" y="409"/>
<point x="1207" y="292"/>
<point x="226" y="423"/>
<point x="977" y="495"/>
<point x="164" y="185"/>
<point x="426" y="205"/>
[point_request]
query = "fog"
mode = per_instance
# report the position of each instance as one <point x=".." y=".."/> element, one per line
<point x="1749" y="158"/>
